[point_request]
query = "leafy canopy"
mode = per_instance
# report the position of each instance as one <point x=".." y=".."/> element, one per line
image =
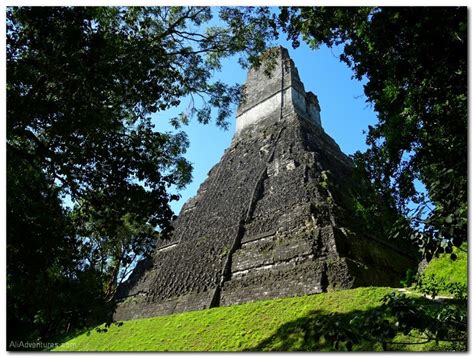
<point x="415" y="63"/>
<point x="82" y="83"/>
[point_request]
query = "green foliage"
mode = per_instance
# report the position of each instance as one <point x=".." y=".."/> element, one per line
<point x="430" y="285"/>
<point x="432" y="322"/>
<point x="444" y="275"/>
<point x="323" y="322"/>
<point x="415" y="62"/>
<point x="375" y="209"/>
<point x="433" y="286"/>
<point x="361" y="206"/>
<point x="82" y="83"/>
<point x="324" y="179"/>
<point x="225" y="251"/>
<point x="46" y="292"/>
<point x="410" y="278"/>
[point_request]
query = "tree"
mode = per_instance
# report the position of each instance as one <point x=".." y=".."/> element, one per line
<point x="36" y="224"/>
<point x="81" y="86"/>
<point x="415" y="63"/>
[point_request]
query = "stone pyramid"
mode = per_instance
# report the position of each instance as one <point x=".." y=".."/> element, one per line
<point x="264" y="224"/>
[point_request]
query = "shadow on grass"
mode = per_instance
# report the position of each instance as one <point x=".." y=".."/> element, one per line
<point x="318" y="331"/>
<point x="358" y="330"/>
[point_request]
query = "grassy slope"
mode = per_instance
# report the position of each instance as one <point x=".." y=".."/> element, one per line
<point x="276" y="325"/>
<point x="447" y="270"/>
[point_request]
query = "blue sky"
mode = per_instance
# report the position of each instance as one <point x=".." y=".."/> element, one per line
<point x="344" y="111"/>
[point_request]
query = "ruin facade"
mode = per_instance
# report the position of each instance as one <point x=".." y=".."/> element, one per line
<point x="265" y="224"/>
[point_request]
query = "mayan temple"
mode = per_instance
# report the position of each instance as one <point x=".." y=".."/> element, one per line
<point x="265" y="223"/>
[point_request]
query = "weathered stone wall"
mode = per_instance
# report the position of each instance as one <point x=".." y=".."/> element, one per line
<point x="292" y="245"/>
<point x="205" y="231"/>
<point x="262" y="225"/>
<point x="289" y="244"/>
<point x="283" y="90"/>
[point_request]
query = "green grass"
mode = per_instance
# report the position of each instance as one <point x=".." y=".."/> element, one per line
<point x="447" y="270"/>
<point x="274" y="325"/>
